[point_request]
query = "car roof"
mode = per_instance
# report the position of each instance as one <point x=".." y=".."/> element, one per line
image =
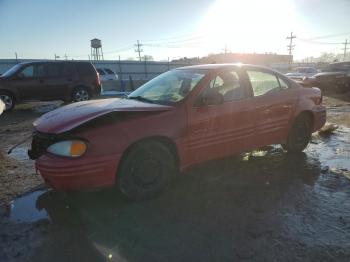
<point x="223" y="66"/>
<point x="50" y="62"/>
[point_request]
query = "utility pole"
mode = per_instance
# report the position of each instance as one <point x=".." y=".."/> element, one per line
<point x="16" y="58"/>
<point x="225" y="49"/>
<point x="290" y="47"/>
<point x="345" y="47"/>
<point x="138" y="50"/>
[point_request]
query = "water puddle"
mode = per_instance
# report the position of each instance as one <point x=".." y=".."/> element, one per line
<point x="20" y="153"/>
<point x="48" y="107"/>
<point x="24" y="209"/>
<point x="334" y="150"/>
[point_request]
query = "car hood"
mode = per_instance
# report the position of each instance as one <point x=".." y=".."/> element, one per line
<point x="68" y="117"/>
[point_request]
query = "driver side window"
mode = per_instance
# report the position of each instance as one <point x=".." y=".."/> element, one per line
<point x="33" y="71"/>
<point x="227" y="84"/>
<point x="27" y="72"/>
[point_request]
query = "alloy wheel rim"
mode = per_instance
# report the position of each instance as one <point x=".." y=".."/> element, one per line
<point x="81" y="95"/>
<point x="7" y="100"/>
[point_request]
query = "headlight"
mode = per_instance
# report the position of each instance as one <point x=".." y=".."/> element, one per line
<point x="68" y="148"/>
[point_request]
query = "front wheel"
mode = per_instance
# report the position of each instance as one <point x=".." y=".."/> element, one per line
<point x="8" y="100"/>
<point x="299" y="135"/>
<point x="80" y="94"/>
<point x="147" y="170"/>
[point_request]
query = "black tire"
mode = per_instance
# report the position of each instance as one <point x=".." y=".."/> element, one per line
<point x="80" y="94"/>
<point x="299" y="135"/>
<point x="8" y="99"/>
<point x="147" y="170"/>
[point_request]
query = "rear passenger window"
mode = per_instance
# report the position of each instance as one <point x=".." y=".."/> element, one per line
<point x="85" y="69"/>
<point x="262" y="82"/>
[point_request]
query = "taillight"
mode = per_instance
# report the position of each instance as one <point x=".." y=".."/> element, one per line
<point x="318" y="100"/>
<point x="98" y="79"/>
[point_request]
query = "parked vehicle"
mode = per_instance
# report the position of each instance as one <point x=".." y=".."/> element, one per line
<point x="45" y="81"/>
<point x="180" y="118"/>
<point x="107" y="74"/>
<point x="335" y="76"/>
<point x="300" y="73"/>
<point x="109" y="79"/>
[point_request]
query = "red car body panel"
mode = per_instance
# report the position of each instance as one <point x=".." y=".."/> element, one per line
<point x="197" y="133"/>
<point x="73" y="115"/>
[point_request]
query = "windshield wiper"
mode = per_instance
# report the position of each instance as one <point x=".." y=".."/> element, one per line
<point x="142" y="99"/>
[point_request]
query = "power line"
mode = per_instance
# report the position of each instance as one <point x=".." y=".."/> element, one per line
<point x="138" y="50"/>
<point x="318" y="43"/>
<point x="328" y="36"/>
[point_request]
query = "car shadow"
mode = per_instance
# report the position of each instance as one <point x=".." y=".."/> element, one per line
<point x="233" y="208"/>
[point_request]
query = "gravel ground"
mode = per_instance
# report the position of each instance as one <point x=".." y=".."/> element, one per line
<point x="261" y="206"/>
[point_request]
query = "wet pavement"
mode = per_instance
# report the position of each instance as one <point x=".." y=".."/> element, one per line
<point x="261" y="206"/>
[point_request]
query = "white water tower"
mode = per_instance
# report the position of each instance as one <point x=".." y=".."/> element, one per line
<point x="96" y="49"/>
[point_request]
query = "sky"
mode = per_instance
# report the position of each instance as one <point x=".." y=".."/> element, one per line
<point x="171" y="29"/>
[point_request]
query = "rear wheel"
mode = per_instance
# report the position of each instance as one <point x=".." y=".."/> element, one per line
<point x="80" y="94"/>
<point x="146" y="170"/>
<point x="8" y="100"/>
<point x="299" y="135"/>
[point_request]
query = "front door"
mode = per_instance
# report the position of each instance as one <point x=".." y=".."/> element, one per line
<point x="30" y="82"/>
<point x="222" y="126"/>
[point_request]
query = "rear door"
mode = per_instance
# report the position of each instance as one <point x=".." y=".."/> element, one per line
<point x="274" y="101"/>
<point x="58" y="80"/>
<point x="217" y="130"/>
<point x="30" y="82"/>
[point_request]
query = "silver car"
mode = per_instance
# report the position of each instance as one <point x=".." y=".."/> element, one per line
<point x="300" y="73"/>
<point x="109" y="79"/>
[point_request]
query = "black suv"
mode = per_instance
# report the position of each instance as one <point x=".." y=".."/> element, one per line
<point x="51" y="80"/>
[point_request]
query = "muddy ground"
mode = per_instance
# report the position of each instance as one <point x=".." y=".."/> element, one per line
<point x="261" y="206"/>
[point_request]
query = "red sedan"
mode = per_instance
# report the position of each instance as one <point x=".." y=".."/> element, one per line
<point x="180" y="118"/>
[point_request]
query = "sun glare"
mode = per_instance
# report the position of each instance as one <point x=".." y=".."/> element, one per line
<point x="246" y="25"/>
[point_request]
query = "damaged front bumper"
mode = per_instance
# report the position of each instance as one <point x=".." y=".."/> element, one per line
<point x="65" y="174"/>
